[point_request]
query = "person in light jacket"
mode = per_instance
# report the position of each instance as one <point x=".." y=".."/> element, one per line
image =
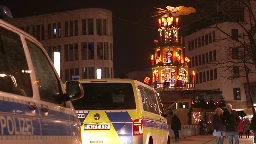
<point x="218" y="125"/>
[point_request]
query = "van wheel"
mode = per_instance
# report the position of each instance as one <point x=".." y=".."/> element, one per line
<point x="168" y="140"/>
<point x="150" y="140"/>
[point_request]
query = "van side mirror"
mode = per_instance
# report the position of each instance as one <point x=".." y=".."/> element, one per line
<point x="74" y="91"/>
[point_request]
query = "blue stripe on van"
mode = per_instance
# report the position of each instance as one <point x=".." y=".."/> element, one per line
<point x="119" y="116"/>
<point x="17" y="119"/>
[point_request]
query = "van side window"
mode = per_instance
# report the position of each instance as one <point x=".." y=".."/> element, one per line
<point x="14" y="72"/>
<point x="150" y="103"/>
<point x="161" y="107"/>
<point x="48" y="83"/>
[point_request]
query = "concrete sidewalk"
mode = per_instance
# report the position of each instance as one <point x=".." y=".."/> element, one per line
<point x="209" y="139"/>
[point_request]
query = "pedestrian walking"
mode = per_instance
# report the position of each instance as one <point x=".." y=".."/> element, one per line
<point x="218" y="126"/>
<point x="231" y="119"/>
<point x="176" y="126"/>
<point x="247" y="124"/>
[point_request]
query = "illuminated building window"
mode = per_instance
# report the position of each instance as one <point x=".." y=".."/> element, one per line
<point x="54" y="30"/>
<point x="237" y="93"/>
<point x="90" y="50"/>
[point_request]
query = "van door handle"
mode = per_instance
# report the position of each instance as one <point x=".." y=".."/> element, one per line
<point x="32" y="106"/>
<point x="45" y="110"/>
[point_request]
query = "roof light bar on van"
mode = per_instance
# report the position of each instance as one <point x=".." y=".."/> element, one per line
<point x="5" y="13"/>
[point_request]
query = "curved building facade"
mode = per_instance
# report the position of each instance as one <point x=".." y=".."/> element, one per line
<point x="83" y="37"/>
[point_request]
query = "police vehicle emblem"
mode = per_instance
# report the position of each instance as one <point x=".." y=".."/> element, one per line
<point x="97" y="116"/>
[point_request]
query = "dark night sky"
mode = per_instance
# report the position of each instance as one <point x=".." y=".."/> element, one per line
<point x="134" y="28"/>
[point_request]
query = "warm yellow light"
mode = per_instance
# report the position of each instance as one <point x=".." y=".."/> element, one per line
<point x="193" y="72"/>
<point x="147" y="80"/>
<point x="152" y="57"/>
<point x="187" y="59"/>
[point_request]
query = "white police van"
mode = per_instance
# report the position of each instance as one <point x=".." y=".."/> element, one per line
<point x="34" y="107"/>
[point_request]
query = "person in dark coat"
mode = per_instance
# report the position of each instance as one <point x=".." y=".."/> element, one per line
<point x="218" y="126"/>
<point x="231" y="119"/>
<point x="176" y="126"/>
<point x="253" y="126"/>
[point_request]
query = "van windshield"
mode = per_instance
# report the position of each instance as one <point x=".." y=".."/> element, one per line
<point x="106" y="96"/>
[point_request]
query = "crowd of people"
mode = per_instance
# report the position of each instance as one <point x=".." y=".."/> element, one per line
<point x="227" y="123"/>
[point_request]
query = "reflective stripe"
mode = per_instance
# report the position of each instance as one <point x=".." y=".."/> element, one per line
<point x="16" y="119"/>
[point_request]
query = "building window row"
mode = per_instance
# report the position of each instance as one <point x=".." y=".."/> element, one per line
<point x="205" y="76"/>
<point x="71" y="29"/>
<point x="203" y="59"/>
<point x="71" y="51"/>
<point x="37" y="31"/>
<point x="201" y="41"/>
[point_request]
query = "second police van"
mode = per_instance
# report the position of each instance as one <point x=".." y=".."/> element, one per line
<point x="121" y="111"/>
<point x="34" y="107"/>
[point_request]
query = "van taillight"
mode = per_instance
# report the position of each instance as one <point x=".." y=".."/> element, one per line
<point x="137" y="127"/>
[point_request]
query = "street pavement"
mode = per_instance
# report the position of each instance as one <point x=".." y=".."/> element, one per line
<point x="208" y="139"/>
